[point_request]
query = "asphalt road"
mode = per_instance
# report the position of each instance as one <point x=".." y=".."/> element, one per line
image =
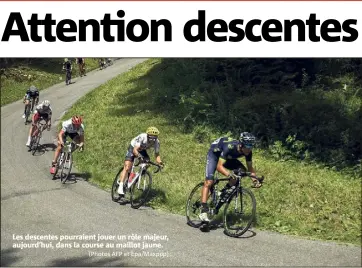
<point x="33" y="204"/>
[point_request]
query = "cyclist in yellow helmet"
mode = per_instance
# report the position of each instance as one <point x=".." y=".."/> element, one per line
<point x="138" y="148"/>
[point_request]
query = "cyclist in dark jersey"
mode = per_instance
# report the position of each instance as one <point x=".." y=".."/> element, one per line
<point x="32" y="93"/>
<point x="223" y="155"/>
<point x="67" y="66"/>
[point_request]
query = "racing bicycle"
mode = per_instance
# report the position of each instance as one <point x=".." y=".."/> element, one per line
<point x="29" y="108"/>
<point x="136" y="181"/>
<point x="38" y="129"/>
<point x="240" y="205"/>
<point x="65" y="161"/>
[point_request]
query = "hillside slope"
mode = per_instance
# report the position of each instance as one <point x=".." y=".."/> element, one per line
<point x="193" y="101"/>
<point x="18" y="74"/>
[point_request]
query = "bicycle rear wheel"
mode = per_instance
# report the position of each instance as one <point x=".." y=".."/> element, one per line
<point x="114" y="194"/>
<point x="66" y="167"/>
<point x="239" y="213"/>
<point x="142" y="186"/>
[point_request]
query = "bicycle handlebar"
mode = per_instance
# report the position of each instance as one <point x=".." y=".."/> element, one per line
<point x="241" y="173"/>
<point x="149" y="162"/>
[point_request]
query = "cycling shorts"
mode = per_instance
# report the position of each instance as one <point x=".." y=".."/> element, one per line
<point x="212" y="159"/>
<point x="130" y="156"/>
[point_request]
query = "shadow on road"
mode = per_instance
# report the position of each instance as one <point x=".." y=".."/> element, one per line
<point x="218" y="224"/>
<point x="74" y="177"/>
<point x="154" y="193"/>
<point x="8" y="257"/>
<point x="84" y="176"/>
<point x="87" y="261"/>
<point x="46" y="147"/>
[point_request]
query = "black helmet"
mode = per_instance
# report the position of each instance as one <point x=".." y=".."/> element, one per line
<point x="247" y="139"/>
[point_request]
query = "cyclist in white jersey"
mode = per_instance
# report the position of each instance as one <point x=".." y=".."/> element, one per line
<point x="74" y="128"/>
<point x="42" y="111"/>
<point x="138" y="148"/>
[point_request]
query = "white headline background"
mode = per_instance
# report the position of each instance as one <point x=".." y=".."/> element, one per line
<point x="178" y="13"/>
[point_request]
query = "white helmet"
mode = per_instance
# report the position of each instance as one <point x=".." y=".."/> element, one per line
<point x="46" y="103"/>
<point x="32" y="88"/>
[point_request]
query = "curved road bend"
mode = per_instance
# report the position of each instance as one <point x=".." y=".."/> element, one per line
<point x="31" y="203"/>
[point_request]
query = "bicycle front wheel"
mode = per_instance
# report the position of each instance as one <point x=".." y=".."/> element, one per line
<point x="66" y="167"/>
<point x="114" y="193"/>
<point x="35" y="142"/>
<point x="193" y="206"/>
<point x="239" y="213"/>
<point x="140" y="190"/>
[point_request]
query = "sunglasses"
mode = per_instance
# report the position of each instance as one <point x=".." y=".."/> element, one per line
<point x="152" y="138"/>
<point x="248" y="146"/>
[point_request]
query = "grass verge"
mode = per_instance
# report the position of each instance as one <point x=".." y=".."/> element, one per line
<point x="42" y="74"/>
<point x="297" y="199"/>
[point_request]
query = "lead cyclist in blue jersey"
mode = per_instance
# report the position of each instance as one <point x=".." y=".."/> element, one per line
<point x="223" y="151"/>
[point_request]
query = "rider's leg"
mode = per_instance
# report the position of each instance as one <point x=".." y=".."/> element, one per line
<point x="127" y="168"/>
<point x="35" y="119"/>
<point x="32" y="104"/>
<point x="57" y="151"/>
<point x="211" y="163"/>
<point x="26" y="105"/>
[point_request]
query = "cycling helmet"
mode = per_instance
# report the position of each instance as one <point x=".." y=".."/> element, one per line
<point x="247" y="139"/>
<point x="153" y="131"/>
<point x="32" y="88"/>
<point x="66" y="59"/>
<point x="77" y="120"/>
<point x="46" y="103"/>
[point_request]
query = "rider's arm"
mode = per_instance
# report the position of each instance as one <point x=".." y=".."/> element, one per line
<point x="157" y="151"/>
<point x="158" y="158"/>
<point x="249" y="163"/>
<point x="135" y="151"/>
<point x="50" y="116"/>
<point x="221" y="168"/>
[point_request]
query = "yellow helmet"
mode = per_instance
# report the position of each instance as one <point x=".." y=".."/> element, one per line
<point x="152" y="131"/>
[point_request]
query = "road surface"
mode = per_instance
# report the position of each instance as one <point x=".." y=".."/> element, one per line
<point x="33" y="204"/>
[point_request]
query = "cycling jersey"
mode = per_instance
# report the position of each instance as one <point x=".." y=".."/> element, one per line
<point x="142" y="141"/>
<point x="67" y="65"/>
<point x="69" y="128"/>
<point x="226" y="149"/>
<point x="43" y="110"/>
<point x="32" y="92"/>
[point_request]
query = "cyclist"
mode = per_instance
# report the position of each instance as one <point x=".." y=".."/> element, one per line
<point x="223" y="155"/>
<point x="137" y="148"/>
<point x="74" y="128"/>
<point x="32" y="93"/>
<point x="67" y="66"/>
<point x="42" y="111"/>
<point x="81" y="65"/>
<point x="102" y="63"/>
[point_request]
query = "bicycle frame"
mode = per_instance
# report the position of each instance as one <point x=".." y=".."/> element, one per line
<point x="39" y="128"/>
<point x="238" y="188"/>
<point x="67" y="149"/>
<point x="143" y="166"/>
